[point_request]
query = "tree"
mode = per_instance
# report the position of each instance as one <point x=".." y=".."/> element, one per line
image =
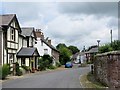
<point x="61" y="45"/>
<point x="107" y="47"/>
<point x="73" y="49"/>
<point x="65" y="53"/>
<point x="116" y="45"/>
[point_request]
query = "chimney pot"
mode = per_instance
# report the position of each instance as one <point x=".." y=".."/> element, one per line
<point x="49" y="42"/>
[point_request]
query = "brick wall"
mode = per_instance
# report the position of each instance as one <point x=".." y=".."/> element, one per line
<point x="107" y="69"/>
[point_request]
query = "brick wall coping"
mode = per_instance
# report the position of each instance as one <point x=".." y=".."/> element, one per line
<point x="109" y="53"/>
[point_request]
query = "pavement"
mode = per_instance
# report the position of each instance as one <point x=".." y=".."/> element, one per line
<point x="59" y="78"/>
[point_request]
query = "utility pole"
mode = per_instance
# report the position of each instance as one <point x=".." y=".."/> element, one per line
<point x="111" y="37"/>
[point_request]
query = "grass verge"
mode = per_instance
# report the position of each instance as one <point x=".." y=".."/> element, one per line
<point x="88" y="81"/>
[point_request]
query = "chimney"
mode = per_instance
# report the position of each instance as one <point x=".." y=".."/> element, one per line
<point x="39" y="34"/>
<point x="49" y="42"/>
<point x="42" y="36"/>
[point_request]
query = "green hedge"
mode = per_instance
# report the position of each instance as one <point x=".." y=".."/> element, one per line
<point x="18" y="70"/>
<point x="4" y="71"/>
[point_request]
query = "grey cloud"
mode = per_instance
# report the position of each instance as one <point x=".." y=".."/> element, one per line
<point x="99" y="8"/>
<point x="25" y="11"/>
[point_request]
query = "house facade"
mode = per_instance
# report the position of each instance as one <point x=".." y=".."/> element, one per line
<point x="15" y="44"/>
<point x="23" y="45"/>
<point x="91" y="52"/>
<point x="28" y="55"/>
<point x="44" y="46"/>
<point x="79" y="57"/>
<point x="1" y="46"/>
<point x="9" y="37"/>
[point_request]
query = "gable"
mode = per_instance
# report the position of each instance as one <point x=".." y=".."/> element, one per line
<point x="10" y="20"/>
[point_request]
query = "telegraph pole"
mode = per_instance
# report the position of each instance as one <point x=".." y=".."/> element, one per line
<point x="111" y="37"/>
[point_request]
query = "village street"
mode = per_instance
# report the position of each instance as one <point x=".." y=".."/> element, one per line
<point x="67" y="78"/>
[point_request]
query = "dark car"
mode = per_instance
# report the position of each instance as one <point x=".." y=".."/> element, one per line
<point x="68" y="65"/>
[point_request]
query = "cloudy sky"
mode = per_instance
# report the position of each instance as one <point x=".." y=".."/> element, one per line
<point x="73" y="23"/>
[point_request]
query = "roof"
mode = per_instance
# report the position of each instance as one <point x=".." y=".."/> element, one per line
<point x="6" y="19"/>
<point x="27" y="52"/>
<point x="27" y="31"/>
<point x="52" y="47"/>
<point x="75" y="55"/>
<point x="93" y="50"/>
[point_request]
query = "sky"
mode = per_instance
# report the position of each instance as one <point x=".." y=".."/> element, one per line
<point x="73" y="23"/>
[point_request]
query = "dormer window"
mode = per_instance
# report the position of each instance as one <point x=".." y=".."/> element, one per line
<point x="12" y="34"/>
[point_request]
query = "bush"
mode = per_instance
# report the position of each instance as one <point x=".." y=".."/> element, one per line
<point x="26" y="68"/>
<point x="51" y="67"/>
<point x="18" y="70"/>
<point x="4" y="71"/>
<point x="41" y="65"/>
<point x="44" y="62"/>
<point x="58" y="64"/>
<point x="110" y="47"/>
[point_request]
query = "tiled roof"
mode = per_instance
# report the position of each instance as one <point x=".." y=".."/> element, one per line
<point x="27" y="31"/>
<point x="93" y="50"/>
<point x="27" y="52"/>
<point x="6" y="19"/>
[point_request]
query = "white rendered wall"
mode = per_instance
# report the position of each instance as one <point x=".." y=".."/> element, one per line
<point x="41" y="48"/>
<point x="20" y="43"/>
<point x="27" y="61"/>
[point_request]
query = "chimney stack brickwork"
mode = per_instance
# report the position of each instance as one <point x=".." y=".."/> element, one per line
<point x="49" y="42"/>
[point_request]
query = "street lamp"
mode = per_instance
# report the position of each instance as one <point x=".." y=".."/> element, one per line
<point x="98" y="42"/>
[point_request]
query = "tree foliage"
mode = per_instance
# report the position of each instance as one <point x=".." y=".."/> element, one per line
<point x="73" y="49"/>
<point x="65" y="53"/>
<point x="110" y="47"/>
<point x="45" y="62"/>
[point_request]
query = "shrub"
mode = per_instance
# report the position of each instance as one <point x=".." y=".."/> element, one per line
<point x="26" y="68"/>
<point x="18" y="70"/>
<point x="44" y="62"/>
<point x="51" y="67"/>
<point x="4" y="71"/>
<point x="41" y="65"/>
<point x="58" y="64"/>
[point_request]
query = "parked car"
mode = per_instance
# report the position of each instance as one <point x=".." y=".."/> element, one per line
<point x="68" y="65"/>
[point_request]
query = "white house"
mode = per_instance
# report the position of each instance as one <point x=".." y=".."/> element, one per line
<point x="79" y="57"/>
<point x="44" y="46"/>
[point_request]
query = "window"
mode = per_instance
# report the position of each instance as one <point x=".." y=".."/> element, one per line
<point x="12" y="34"/>
<point x="45" y="51"/>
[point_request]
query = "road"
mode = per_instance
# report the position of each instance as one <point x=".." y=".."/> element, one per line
<point x="68" y="78"/>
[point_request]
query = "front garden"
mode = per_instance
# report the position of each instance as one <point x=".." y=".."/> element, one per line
<point x="45" y="62"/>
